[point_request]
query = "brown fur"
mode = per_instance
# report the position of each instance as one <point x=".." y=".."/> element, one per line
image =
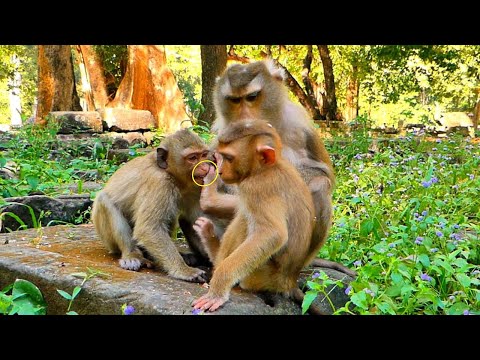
<point x="269" y="240"/>
<point x="301" y="145"/>
<point x="140" y="204"/>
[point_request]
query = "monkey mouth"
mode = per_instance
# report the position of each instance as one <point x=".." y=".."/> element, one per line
<point x="199" y="179"/>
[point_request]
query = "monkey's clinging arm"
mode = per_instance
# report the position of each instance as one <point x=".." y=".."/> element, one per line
<point x="205" y="231"/>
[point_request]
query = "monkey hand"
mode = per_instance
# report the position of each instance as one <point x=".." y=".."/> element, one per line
<point x="190" y="274"/>
<point x="205" y="230"/>
<point x="210" y="175"/>
<point x="210" y="302"/>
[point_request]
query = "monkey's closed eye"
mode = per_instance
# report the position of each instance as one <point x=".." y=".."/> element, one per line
<point x="192" y="158"/>
<point x="251" y="97"/>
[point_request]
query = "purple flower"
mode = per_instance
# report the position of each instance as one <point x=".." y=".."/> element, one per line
<point x="357" y="263"/>
<point x="439" y="233"/>
<point x="451" y="297"/>
<point x="438" y="141"/>
<point x="196" y="311"/>
<point x="368" y="291"/>
<point x="418" y="240"/>
<point x="434" y="180"/>
<point x="456" y="226"/>
<point x="391" y="245"/>
<point x="466" y="312"/>
<point x="420" y="218"/>
<point x="433" y="250"/>
<point x="426" y="184"/>
<point x="129" y="310"/>
<point x="425" y="212"/>
<point x="348" y="289"/>
<point x="425" y="277"/>
<point x="316" y="275"/>
<point x="471" y="176"/>
<point x="455" y="187"/>
<point x="355" y="178"/>
<point x="455" y="236"/>
<point x="358" y="157"/>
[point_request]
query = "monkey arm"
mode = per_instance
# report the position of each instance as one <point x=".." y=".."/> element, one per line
<point x="268" y="238"/>
<point x="216" y="204"/>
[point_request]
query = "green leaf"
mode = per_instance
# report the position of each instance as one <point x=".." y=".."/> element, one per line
<point x="72" y="313"/>
<point x="395" y="290"/>
<point x="21" y="286"/>
<point x="33" y="181"/>
<point x="76" y="291"/>
<point x="444" y="265"/>
<point x="360" y="299"/>
<point x="80" y="275"/>
<point x="5" y="303"/>
<point x="424" y="259"/>
<point x="65" y="294"/>
<point x="307" y="300"/>
<point x="3" y="162"/>
<point x="366" y="227"/>
<point x="396" y="277"/>
<point x="380" y="247"/>
<point x="463" y="279"/>
<point x="386" y="308"/>
<point x="407" y="290"/>
<point x="457" y="309"/>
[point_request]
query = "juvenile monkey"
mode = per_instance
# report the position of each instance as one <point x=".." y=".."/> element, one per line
<point x="138" y="209"/>
<point x="269" y="240"/>
<point x="256" y="91"/>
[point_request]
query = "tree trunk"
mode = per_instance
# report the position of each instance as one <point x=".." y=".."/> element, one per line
<point x="214" y="62"/>
<point x="149" y="84"/>
<point x="56" y="81"/>
<point x="297" y="90"/>
<point x="95" y="75"/>
<point x="88" y="103"/>
<point x="476" y="116"/>
<point x="329" y="82"/>
<point x="353" y="89"/>
<point x="307" y="63"/>
<point x="14" y="96"/>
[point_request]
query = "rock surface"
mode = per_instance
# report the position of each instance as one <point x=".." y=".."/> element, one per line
<point x="78" y="121"/>
<point x="128" y="119"/>
<point x="49" y="257"/>
<point x="62" y="208"/>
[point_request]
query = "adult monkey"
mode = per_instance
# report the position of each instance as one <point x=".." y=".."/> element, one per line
<point x="256" y="91"/>
<point x="137" y="211"/>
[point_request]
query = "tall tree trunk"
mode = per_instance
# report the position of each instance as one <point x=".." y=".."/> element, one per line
<point x="329" y="81"/>
<point x="89" y="105"/>
<point x="214" y="62"/>
<point x="14" y="96"/>
<point x="353" y="90"/>
<point x="476" y="116"/>
<point x="95" y="75"/>
<point x="307" y="63"/>
<point x="149" y="84"/>
<point x="56" y="81"/>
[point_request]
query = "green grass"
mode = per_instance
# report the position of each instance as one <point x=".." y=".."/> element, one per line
<point x="406" y="218"/>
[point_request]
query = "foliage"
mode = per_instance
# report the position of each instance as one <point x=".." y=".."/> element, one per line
<point x="76" y="290"/>
<point x="24" y="299"/>
<point x="406" y="218"/>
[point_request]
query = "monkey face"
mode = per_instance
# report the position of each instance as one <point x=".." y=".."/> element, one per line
<point x="234" y="166"/>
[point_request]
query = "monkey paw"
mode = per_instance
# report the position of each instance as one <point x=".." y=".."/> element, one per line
<point x="130" y="264"/>
<point x="209" y="302"/>
<point x="191" y="274"/>
<point x="204" y="228"/>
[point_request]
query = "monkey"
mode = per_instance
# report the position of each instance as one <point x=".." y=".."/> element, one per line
<point x="269" y="240"/>
<point x="257" y="91"/>
<point x="137" y="211"/>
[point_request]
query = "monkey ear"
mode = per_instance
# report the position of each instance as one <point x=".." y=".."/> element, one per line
<point x="267" y="154"/>
<point x="276" y="72"/>
<point x="162" y="155"/>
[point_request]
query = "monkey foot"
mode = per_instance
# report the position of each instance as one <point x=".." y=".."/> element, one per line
<point x="133" y="263"/>
<point x="191" y="274"/>
<point x="209" y="302"/>
<point x="204" y="228"/>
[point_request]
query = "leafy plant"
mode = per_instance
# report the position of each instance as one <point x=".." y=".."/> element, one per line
<point x="24" y="299"/>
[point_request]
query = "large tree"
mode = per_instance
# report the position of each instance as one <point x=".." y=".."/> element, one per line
<point x="331" y="113"/>
<point x="214" y="62"/>
<point x="56" y="81"/>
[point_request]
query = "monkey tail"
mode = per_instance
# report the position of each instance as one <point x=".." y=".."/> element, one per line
<point x="298" y="296"/>
<point x="333" y="265"/>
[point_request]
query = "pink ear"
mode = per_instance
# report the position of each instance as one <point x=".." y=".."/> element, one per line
<point x="267" y="154"/>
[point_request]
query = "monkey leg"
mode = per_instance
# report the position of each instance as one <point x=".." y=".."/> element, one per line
<point x="157" y="243"/>
<point x="206" y="232"/>
<point x="320" y="187"/>
<point x="115" y="232"/>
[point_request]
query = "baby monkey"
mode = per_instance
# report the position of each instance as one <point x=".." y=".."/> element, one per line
<point x="269" y="240"/>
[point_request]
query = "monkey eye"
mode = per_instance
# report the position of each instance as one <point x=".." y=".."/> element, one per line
<point x="235" y="100"/>
<point x="228" y="158"/>
<point x="204" y="154"/>
<point x="192" y="158"/>
<point x="252" y="97"/>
